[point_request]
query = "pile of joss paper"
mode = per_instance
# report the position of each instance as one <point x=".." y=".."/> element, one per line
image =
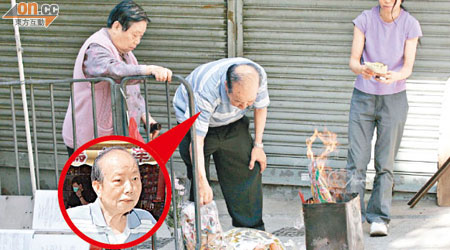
<point x="212" y="236"/>
<point x="327" y="185"/>
<point x="319" y="185"/>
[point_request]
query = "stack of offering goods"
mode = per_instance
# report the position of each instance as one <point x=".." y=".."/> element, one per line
<point x="211" y="237"/>
<point x="377" y="68"/>
<point x="247" y="238"/>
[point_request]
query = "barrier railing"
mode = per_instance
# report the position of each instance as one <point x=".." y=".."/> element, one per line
<point x="50" y="83"/>
<point x="194" y="185"/>
<point x="118" y="92"/>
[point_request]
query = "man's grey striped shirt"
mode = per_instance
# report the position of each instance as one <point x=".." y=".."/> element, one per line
<point x="90" y="221"/>
<point x="211" y="99"/>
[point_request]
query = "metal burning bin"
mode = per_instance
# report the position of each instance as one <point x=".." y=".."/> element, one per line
<point x="334" y="226"/>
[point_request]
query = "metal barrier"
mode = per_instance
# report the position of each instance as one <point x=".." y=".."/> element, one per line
<point x="193" y="145"/>
<point x="50" y="83"/>
<point x="118" y="92"/>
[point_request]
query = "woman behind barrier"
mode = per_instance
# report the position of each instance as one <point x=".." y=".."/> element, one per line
<point x="108" y="53"/>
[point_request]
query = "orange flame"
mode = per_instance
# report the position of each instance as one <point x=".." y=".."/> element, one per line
<point x="329" y="140"/>
<point x="319" y="181"/>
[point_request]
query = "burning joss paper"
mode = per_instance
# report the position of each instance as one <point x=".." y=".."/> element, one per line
<point x="317" y="170"/>
<point x="319" y="185"/>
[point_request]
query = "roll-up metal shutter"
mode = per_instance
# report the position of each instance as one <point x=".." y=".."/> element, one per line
<point x="182" y="34"/>
<point x="48" y="53"/>
<point x="305" y="48"/>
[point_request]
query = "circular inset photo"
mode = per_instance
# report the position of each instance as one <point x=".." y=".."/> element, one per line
<point x="113" y="193"/>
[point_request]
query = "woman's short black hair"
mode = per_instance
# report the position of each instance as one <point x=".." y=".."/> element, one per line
<point x="127" y="12"/>
<point x="77" y="180"/>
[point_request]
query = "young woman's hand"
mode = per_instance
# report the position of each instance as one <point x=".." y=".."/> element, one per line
<point x="390" y="77"/>
<point x="366" y="72"/>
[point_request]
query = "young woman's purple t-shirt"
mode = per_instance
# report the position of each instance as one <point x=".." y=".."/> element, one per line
<point x="385" y="43"/>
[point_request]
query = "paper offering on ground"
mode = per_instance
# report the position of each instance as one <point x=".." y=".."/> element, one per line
<point x="247" y="238"/>
<point x="212" y="236"/>
<point x="377" y="68"/>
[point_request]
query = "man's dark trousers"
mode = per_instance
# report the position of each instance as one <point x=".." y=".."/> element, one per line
<point x="231" y="146"/>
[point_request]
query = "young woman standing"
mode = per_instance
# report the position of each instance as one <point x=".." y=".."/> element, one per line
<point x="386" y="34"/>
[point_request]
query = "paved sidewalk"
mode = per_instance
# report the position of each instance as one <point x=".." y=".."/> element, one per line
<point x="426" y="226"/>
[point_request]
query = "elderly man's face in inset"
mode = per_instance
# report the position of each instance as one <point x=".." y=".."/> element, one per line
<point x="121" y="187"/>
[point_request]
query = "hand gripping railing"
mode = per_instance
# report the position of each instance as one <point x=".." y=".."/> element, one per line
<point x="194" y="144"/>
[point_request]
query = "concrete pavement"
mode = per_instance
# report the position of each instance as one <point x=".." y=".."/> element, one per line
<point x="427" y="226"/>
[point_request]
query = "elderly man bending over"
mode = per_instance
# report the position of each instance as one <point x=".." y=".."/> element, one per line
<point x="224" y="91"/>
<point x="112" y="218"/>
